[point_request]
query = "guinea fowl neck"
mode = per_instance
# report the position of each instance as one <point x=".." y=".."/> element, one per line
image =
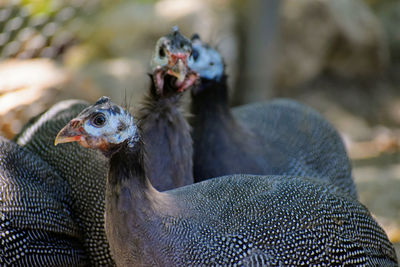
<point x="166" y="134"/>
<point x="211" y="99"/>
<point x="169" y="91"/>
<point x="134" y="208"/>
<point x="128" y="164"/>
<point x="127" y="180"/>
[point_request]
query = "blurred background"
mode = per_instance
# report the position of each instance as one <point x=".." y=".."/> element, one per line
<point x="341" y="57"/>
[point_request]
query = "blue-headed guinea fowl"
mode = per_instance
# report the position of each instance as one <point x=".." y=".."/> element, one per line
<point x="278" y="137"/>
<point x="84" y="170"/>
<point x="236" y="220"/>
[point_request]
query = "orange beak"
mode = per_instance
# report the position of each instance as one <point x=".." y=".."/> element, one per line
<point x="72" y="132"/>
<point x="178" y="66"/>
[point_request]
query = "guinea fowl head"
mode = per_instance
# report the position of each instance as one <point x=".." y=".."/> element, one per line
<point x="205" y="60"/>
<point x="171" y="59"/>
<point x="104" y="126"/>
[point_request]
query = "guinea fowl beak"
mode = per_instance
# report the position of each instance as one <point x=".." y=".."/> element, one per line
<point x="72" y="132"/>
<point x="178" y="67"/>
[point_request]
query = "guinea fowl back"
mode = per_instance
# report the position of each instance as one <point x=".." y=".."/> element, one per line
<point x="311" y="143"/>
<point x="276" y="221"/>
<point x="42" y="231"/>
<point x="84" y="170"/>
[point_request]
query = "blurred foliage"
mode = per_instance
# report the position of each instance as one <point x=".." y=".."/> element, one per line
<point x="41" y="6"/>
<point x="43" y="28"/>
<point x="377" y="3"/>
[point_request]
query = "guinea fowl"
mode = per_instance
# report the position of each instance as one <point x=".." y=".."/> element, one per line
<point x="239" y="220"/>
<point x="41" y="232"/>
<point x="166" y="132"/>
<point x="278" y="137"/>
<point x="85" y="170"/>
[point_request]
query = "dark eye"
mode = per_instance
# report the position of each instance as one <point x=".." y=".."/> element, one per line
<point x="195" y="54"/>
<point x="211" y="63"/>
<point x="99" y="120"/>
<point x="161" y="52"/>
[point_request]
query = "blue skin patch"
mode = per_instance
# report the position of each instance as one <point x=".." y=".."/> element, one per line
<point x="118" y="126"/>
<point x="206" y="61"/>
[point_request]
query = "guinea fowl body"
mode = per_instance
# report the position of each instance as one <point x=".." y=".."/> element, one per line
<point x="280" y="137"/>
<point x="84" y="170"/>
<point x="239" y="220"/>
<point x="242" y="220"/>
<point x="42" y="231"/>
<point x="277" y="137"/>
<point x="312" y="144"/>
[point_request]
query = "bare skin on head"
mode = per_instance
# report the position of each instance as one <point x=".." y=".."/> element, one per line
<point x="171" y="58"/>
<point x="88" y="128"/>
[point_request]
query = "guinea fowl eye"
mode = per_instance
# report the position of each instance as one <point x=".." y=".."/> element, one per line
<point x="99" y="120"/>
<point x="161" y="52"/>
<point x="195" y="54"/>
<point x="211" y="63"/>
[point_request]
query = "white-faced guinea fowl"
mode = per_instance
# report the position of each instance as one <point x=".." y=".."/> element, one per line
<point x="37" y="226"/>
<point x="277" y="137"/>
<point x="242" y="220"/>
<point x="84" y="170"/>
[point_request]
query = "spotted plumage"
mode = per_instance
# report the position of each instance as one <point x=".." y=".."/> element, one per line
<point x="36" y="223"/>
<point x="82" y="170"/>
<point x="237" y="220"/>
